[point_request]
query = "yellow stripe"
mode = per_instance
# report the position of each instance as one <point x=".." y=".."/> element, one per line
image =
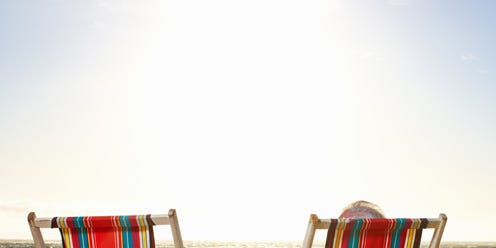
<point x="143" y="230"/>
<point x="411" y="233"/>
<point x="339" y="233"/>
<point x="65" y="231"/>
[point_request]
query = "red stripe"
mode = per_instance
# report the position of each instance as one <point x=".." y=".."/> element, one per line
<point x="404" y="232"/>
<point x="135" y="231"/>
<point x="345" y="240"/>
<point x="73" y="231"/>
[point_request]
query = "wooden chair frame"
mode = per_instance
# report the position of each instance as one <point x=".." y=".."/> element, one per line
<point x="171" y="219"/>
<point x="315" y="223"/>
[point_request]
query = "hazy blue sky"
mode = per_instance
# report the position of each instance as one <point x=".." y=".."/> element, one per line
<point x="249" y="113"/>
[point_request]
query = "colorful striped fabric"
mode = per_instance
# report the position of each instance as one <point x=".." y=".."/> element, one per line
<point x="375" y="233"/>
<point x="134" y="231"/>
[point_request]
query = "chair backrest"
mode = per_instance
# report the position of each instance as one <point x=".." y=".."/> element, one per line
<point x="375" y="233"/>
<point x="132" y="231"/>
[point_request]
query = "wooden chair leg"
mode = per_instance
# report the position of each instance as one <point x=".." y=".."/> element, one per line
<point x="35" y="231"/>
<point x="176" y="232"/>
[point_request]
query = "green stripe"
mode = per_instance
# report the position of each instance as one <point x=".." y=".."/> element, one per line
<point x="355" y="233"/>
<point x="395" y="239"/>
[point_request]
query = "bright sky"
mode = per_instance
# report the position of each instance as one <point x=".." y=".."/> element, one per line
<point x="248" y="116"/>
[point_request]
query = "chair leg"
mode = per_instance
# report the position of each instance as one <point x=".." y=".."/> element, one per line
<point x="438" y="233"/>
<point x="176" y="232"/>
<point x="310" y="234"/>
<point x="35" y="231"/>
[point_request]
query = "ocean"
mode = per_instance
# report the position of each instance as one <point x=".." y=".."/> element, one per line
<point x="241" y="244"/>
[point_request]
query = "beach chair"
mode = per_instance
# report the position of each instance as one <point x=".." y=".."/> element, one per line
<point x="133" y="231"/>
<point x="374" y="233"/>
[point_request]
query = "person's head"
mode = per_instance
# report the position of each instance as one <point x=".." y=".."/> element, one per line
<point x="362" y="209"/>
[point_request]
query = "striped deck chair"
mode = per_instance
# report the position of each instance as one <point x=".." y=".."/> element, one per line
<point x="133" y="231"/>
<point x="374" y="233"/>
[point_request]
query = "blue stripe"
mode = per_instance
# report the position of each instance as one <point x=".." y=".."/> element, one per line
<point x="82" y="233"/>
<point x="395" y="239"/>
<point x="127" y="235"/>
<point x="355" y="233"/>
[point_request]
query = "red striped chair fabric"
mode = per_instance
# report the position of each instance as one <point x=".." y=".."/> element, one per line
<point x="133" y="231"/>
<point x="375" y="233"/>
